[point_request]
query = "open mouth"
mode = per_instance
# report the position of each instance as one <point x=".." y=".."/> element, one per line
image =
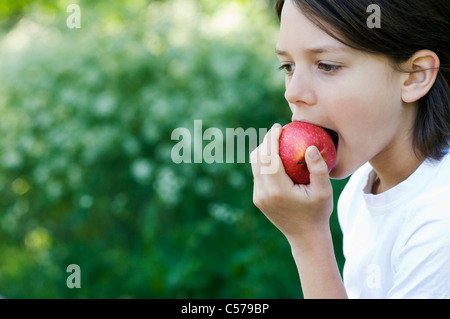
<point x="334" y="136"/>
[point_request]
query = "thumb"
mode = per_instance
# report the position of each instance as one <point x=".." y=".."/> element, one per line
<point x="318" y="169"/>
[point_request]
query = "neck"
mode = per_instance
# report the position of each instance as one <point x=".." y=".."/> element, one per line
<point x="394" y="165"/>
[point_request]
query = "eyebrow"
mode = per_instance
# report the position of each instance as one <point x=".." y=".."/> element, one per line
<point x="318" y="49"/>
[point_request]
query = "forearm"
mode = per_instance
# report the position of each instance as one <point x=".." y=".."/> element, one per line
<point x="316" y="263"/>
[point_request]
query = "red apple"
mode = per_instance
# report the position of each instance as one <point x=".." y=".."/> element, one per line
<point x="295" y="138"/>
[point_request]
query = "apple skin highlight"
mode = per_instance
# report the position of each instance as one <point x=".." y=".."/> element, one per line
<point x="295" y="138"/>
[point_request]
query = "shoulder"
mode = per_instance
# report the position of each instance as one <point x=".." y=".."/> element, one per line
<point x="428" y="215"/>
<point x="433" y="200"/>
<point x="421" y="254"/>
<point x="428" y="211"/>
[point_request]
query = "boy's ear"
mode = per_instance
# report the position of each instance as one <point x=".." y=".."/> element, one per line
<point x="422" y="68"/>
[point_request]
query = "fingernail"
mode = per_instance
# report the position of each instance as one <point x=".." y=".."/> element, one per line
<point x="313" y="153"/>
<point x="276" y="125"/>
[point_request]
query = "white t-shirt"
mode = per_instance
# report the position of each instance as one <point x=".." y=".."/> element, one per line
<point x="397" y="243"/>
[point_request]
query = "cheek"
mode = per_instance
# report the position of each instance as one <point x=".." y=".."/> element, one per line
<point x="367" y="102"/>
<point x="365" y="108"/>
<point x="365" y="118"/>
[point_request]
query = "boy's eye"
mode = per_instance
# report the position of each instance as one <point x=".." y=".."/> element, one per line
<point x="287" y="67"/>
<point x="328" y="68"/>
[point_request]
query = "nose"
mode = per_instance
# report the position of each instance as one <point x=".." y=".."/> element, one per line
<point x="299" y="90"/>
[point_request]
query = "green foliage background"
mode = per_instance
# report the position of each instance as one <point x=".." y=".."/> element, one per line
<point x="86" y="176"/>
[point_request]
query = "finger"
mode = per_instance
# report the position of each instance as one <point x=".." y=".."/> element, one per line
<point x="262" y="154"/>
<point x="270" y="151"/>
<point x="274" y="139"/>
<point x="259" y="157"/>
<point x="318" y="169"/>
<point x="269" y="146"/>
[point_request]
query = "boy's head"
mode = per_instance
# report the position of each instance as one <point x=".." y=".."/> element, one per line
<point x="391" y="82"/>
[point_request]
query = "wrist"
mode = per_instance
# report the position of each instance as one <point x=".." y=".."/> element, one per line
<point x="316" y="264"/>
<point x="315" y="237"/>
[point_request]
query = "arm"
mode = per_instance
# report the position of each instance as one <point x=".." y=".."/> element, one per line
<point x="301" y="213"/>
<point x="317" y="267"/>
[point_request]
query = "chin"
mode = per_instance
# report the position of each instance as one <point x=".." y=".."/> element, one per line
<point x="341" y="172"/>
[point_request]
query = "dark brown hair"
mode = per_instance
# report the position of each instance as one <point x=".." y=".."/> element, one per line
<point x="407" y="26"/>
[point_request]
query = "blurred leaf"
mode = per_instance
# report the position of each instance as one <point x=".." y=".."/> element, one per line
<point x="86" y="175"/>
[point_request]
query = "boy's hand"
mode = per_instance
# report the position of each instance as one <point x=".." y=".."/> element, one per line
<point x="296" y="210"/>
